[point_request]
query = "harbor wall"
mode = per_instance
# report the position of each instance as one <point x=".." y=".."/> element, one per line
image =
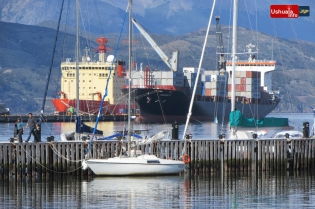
<point x="222" y="156"/>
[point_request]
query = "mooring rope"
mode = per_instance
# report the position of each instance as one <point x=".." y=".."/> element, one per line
<point x="53" y="147"/>
<point x="62" y="172"/>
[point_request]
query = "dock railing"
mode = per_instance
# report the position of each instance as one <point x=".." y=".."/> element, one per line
<point x="259" y="155"/>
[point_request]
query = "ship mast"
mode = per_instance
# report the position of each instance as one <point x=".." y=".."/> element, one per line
<point x="197" y="77"/>
<point x="77" y="69"/>
<point x="234" y="47"/>
<point x="130" y="64"/>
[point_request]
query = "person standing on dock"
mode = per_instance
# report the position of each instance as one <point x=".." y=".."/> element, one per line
<point x="31" y="123"/>
<point x="20" y="129"/>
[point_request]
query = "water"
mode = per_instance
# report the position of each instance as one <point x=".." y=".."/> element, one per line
<point x="296" y="190"/>
<point x="235" y="190"/>
<point x="199" y="130"/>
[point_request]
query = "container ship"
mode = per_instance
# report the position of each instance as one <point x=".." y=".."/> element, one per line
<point x="93" y="78"/>
<point x="164" y="96"/>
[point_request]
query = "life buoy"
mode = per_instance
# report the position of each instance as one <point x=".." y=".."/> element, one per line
<point x="186" y="159"/>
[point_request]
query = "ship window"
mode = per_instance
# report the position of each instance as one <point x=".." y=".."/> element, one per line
<point x="103" y="68"/>
<point x="94" y="87"/>
<point x="89" y="87"/>
<point x="83" y="81"/>
<point x="65" y="80"/>
<point x="106" y="74"/>
<point x="90" y="68"/>
<point x="90" y="81"/>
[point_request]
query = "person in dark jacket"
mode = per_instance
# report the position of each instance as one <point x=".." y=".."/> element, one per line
<point x="37" y="133"/>
<point x="31" y="123"/>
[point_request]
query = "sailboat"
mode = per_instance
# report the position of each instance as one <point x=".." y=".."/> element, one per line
<point x="133" y="162"/>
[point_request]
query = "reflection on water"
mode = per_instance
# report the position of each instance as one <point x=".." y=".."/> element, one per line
<point x="230" y="191"/>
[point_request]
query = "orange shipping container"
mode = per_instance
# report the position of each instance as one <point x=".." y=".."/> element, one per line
<point x="208" y="92"/>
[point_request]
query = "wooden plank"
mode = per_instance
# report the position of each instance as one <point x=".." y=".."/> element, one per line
<point x="237" y="155"/>
<point x="241" y="156"/>
<point x="267" y="151"/>
<point x="225" y="156"/>
<point x="253" y="148"/>
<point x="77" y="158"/>
<point x="207" y="163"/>
<point x="262" y="154"/>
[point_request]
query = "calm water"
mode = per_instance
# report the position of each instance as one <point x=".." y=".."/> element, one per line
<point x="286" y="190"/>
<point x="232" y="191"/>
<point x="208" y="130"/>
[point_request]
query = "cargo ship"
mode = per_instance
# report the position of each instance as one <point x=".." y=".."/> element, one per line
<point x="93" y="78"/>
<point x="164" y="96"/>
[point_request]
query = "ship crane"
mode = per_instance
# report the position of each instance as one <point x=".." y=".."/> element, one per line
<point x="171" y="63"/>
<point x="220" y="48"/>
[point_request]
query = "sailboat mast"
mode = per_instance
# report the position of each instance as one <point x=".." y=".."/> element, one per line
<point x="77" y="64"/>
<point x="198" y="73"/>
<point x="130" y="66"/>
<point x="234" y="47"/>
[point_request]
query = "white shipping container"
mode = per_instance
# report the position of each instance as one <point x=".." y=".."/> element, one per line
<point x="243" y="74"/>
<point x="214" y="85"/>
<point x="238" y="74"/>
<point x="207" y="85"/>
<point x="135" y="82"/>
<point x="157" y="82"/>
<point x="135" y="75"/>
<point x="164" y="81"/>
<point x="169" y="75"/>
<point x="237" y="80"/>
<point x="157" y="74"/>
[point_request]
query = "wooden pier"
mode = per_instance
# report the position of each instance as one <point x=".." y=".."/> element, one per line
<point x="51" y="158"/>
<point x="63" y="118"/>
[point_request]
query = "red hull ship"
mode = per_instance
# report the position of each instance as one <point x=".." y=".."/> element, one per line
<point x="93" y="79"/>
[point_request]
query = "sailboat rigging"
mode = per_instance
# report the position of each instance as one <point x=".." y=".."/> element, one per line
<point x="133" y="163"/>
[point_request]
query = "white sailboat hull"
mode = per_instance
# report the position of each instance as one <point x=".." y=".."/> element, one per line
<point x="141" y="165"/>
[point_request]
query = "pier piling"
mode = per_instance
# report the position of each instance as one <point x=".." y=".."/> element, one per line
<point x="253" y="156"/>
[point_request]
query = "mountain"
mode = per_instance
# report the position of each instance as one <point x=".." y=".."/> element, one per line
<point x="26" y="54"/>
<point x="171" y="17"/>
